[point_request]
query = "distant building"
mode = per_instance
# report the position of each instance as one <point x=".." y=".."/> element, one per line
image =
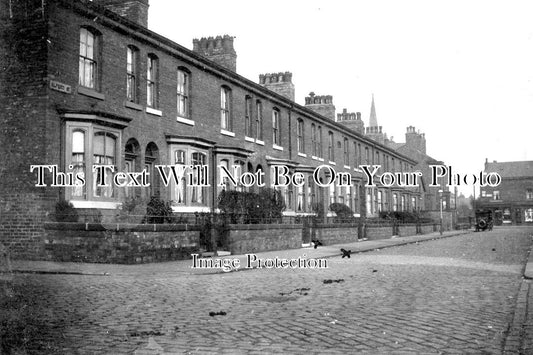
<point x="415" y="148"/>
<point x="429" y="197"/>
<point x="512" y="200"/>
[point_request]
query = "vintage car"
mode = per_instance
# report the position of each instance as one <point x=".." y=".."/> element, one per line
<point x="484" y="220"/>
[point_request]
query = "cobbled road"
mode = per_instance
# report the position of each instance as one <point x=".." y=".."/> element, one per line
<point x="454" y="295"/>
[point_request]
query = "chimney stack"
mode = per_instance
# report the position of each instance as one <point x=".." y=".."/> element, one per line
<point x="134" y="10"/>
<point x="321" y="104"/>
<point x="280" y="83"/>
<point x="218" y="49"/>
<point x="352" y="120"/>
<point x="415" y="140"/>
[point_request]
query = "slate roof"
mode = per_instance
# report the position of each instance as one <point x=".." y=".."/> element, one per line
<point x="511" y="169"/>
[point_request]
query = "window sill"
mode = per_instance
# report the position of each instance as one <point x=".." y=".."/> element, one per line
<point x="249" y="139"/>
<point x="106" y="205"/>
<point x="154" y="112"/>
<point x="227" y="133"/>
<point x="277" y="147"/>
<point x="302" y="155"/>
<point x="332" y="163"/>
<point x="320" y="159"/>
<point x="91" y="93"/>
<point x="185" y="120"/>
<point x="133" y="106"/>
<point x="347" y="167"/>
<point x="260" y="142"/>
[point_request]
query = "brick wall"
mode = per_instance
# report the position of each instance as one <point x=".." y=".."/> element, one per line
<point x="23" y="127"/>
<point x="123" y="244"/>
<point x="335" y="234"/>
<point x="407" y="229"/>
<point x="429" y="228"/>
<point x="378" y="232"/>
<point x="263" y="237"/>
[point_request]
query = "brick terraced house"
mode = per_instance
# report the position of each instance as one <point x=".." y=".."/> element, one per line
<point x="512" y="201"/>
<point x="86" y="82"/>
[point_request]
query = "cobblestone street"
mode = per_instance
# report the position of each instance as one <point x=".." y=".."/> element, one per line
<point x="452" y="295"/>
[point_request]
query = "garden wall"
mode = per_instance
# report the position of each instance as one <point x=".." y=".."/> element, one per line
<point x="429" y="228"/>
<point x="119" y="243"/>
<point x="378" y="232"/>
<point x="141" y="243"/>
<point x="334" y="234"/>
<point x="406" y="230"/>
<point x="250" y="238"/>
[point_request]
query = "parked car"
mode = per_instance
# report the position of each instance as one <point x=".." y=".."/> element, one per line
<point x="484" y="220"/>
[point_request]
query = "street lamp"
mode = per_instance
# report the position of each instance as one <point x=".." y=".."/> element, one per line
<point x="440" y="194"/>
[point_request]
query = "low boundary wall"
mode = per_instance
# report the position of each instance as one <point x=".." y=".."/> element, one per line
<point x="252" y="238"/>
<point x="141" y="243"/>
<point x="119" y="243"/>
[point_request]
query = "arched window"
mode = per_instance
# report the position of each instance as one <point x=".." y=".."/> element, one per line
<point x="104" y="153"/>
<point x="180" y="190"/>
<point x="355" y="163"/>
<point x="152" y="81"/>
<point x="131" y="164"/>
<point x="198" y="194"/>
<point x="331" y="147"/>
<point x="341" y="191"/>
<point x="78" y="160"/>
<point x="151" y="157"/>
<point x="300" y="137"/>
<point x="224" y="163"/>
<point x="225" y="108"/>
<point x="359" y="157"/>
<point x="240" y="171"/>
<point x="300" y="202"/>
<point x="319" y="142"/>
<point x="332" y="193"/>
<point x="132" y="75"/>
<point x="259" y="120"/>
<point x="311" y="194"/>
<point x="248" y="116"/>
<point x="276" y="131"/>
<point x="89" y="58"/>
<point x="182" y="92"/>
<point x="346" y="153"/>
<point x="313" y="139"/>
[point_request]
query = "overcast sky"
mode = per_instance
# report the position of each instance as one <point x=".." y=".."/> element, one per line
<point x="459" y="71"/>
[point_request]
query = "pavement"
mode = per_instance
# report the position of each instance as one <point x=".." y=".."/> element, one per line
<point x="185" y="266"/>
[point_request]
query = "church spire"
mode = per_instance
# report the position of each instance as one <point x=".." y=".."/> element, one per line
<point x="373" y="121"/>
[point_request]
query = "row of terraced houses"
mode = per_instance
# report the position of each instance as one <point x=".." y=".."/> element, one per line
<point x="86" y="82"/>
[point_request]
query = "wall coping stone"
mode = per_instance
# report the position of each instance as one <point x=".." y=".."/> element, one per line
<point x="121" y="227"/>
<point x="264" y="226"/>
<point x="333" y="225"/>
